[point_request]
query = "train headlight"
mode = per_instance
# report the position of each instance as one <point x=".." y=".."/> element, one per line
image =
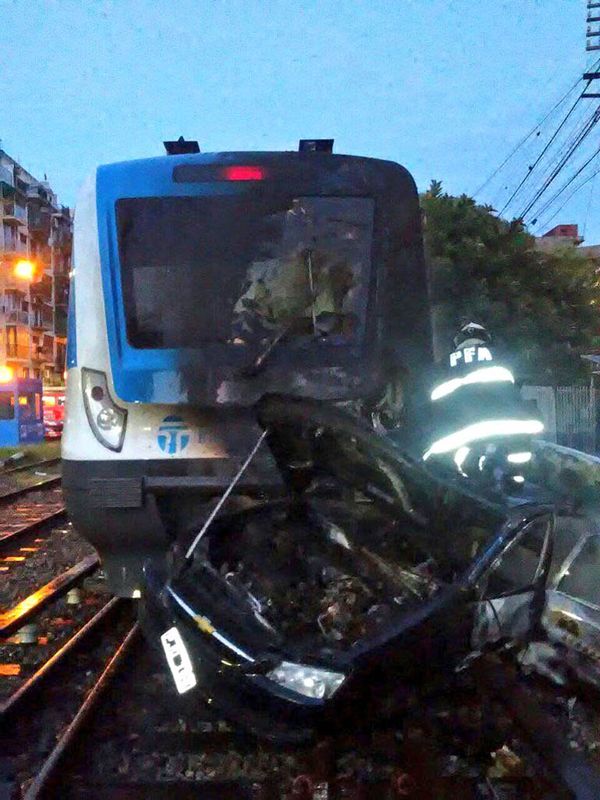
<point x="309" y="681"/>
<point x="106" y="419"/>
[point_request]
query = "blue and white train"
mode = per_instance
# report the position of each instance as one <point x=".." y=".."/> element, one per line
<point x="203" y="282"/>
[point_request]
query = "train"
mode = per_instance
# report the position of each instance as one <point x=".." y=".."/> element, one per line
<point x="203" y="283"/>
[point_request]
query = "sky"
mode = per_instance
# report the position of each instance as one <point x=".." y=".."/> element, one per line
<point x="445" y="87"/>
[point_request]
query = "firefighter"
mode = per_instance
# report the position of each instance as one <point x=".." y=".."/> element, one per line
<point x="478" y="423"/>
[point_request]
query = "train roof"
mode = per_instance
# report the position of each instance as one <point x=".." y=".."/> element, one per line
<point x="178" y="170"/>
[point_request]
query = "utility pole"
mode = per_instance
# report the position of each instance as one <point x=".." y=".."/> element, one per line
<point x="592" y="43"/>
<point x="593" y="16"/>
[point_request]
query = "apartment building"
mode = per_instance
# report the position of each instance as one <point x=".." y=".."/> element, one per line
<point x="35" y="260"/>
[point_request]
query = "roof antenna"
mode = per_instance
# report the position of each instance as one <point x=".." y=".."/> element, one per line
<point x="181" y="147"/>
<point x="225" y="495"/>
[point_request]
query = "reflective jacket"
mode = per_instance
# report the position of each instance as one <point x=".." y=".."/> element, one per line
<point x="474" y="399"/>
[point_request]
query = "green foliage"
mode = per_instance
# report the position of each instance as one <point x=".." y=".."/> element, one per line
<point x="542" y="308"/>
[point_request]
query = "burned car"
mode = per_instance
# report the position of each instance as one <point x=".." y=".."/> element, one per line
<point x="297" y="614"/>
<point x="568" y="649"/>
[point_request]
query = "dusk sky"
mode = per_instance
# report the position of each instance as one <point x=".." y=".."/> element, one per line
<point x="446" y="87"/>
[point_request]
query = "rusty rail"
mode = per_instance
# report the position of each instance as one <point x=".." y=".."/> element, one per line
<point x="46" y="779"/>
<point x="49" y="483"/>
<point x="27" y="690"/>
<point x="11" y="538"/>
<point x="19" y="615"/>
<point x="36" y="465"/>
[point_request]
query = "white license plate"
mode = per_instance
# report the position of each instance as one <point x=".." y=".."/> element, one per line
<point x="178" y="660"/>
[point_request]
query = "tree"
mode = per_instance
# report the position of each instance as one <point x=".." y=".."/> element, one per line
<point x="542" y="308"/>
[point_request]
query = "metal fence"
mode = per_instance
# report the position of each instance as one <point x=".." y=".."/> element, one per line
<point x="571" y="415"/>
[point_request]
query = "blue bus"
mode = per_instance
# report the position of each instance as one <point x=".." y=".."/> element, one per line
<point x="21" y="412"/>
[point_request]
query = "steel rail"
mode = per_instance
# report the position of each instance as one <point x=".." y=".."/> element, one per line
<point x="27" y="691"/>
<point x="13" y="537"/>
<point x="36" y="465"/>
<point x="48" y="776"/>
<point x="19" y="615"/>
<point x="8" y="497"/>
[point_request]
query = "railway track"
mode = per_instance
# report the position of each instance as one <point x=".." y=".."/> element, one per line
<point x="27" y="509"/>
<point x="44" y="464"/>
<point x="27" y="515"/>
<point x="99" y="719"/>
<point x="131" y="738"/>
<point x="19" y="481"/>
<point x="45" y="708"/>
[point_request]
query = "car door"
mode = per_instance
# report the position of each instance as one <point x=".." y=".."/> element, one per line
<point x="572" y="614"/>
<point x="511" y="593"/>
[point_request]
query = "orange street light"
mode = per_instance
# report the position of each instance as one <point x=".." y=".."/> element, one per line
<point x="24" y="269"/>
<point x="6" y="374"/>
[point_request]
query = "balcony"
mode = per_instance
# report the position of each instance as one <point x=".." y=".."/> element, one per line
<point x="17" y="317"/>
<point x="60" y="322"/>
<point x="14" y="214"/>
<point x="43" y="354"/>
<point x="41" y="290"/>
<point x="18" y="351"/>
<point x="39" y="220"/>
<point x="61" y="237"/>
<point x="13" y="246"/>
<point x="7" y="182"/>
<point x="42" y="319"/>
<point x="35" y="191"/>
<point x="21" y="186"/>
<point x="9" y="282"/>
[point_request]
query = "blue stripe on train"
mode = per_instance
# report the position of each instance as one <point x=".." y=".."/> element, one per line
<point x="71" y="328"/>
<point x="142" y="375"/>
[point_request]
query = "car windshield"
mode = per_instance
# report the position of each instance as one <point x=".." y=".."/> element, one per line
<point x="237" y="269"/>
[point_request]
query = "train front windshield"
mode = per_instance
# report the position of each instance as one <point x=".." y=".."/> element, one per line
<point x="239" y="269"/>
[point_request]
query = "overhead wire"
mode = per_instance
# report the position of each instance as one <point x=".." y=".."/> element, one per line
<point x="593" y="66"/>
<point x="565" y="186"/>
<point x="555" y="158"/>
<point x="580" y="120"/>
<point x="572" y="148"/>
<point x="572" y="143"/>
<point x="531" y="168"/>
<point x="579" y="186"/>
<point x="527" y="136"/>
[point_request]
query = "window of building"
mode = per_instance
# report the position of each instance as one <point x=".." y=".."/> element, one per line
<point x="11" y="337"/>
<point x="30" y="404"/>
<point x="7" y="405"/>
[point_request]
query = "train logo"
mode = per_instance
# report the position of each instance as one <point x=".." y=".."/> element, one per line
<point x="173" y="435"/>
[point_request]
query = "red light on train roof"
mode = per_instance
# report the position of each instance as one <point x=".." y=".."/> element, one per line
<point x="243" y="173"/>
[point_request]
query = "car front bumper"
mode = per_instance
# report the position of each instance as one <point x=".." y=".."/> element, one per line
<point x="252" y="701"/>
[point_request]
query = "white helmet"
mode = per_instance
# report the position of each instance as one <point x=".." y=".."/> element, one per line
<point x="473" y="333"/>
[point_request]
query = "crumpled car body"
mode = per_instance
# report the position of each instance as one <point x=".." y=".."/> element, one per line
<point x="343" y="600"/>
<point x="569" y="646"/>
